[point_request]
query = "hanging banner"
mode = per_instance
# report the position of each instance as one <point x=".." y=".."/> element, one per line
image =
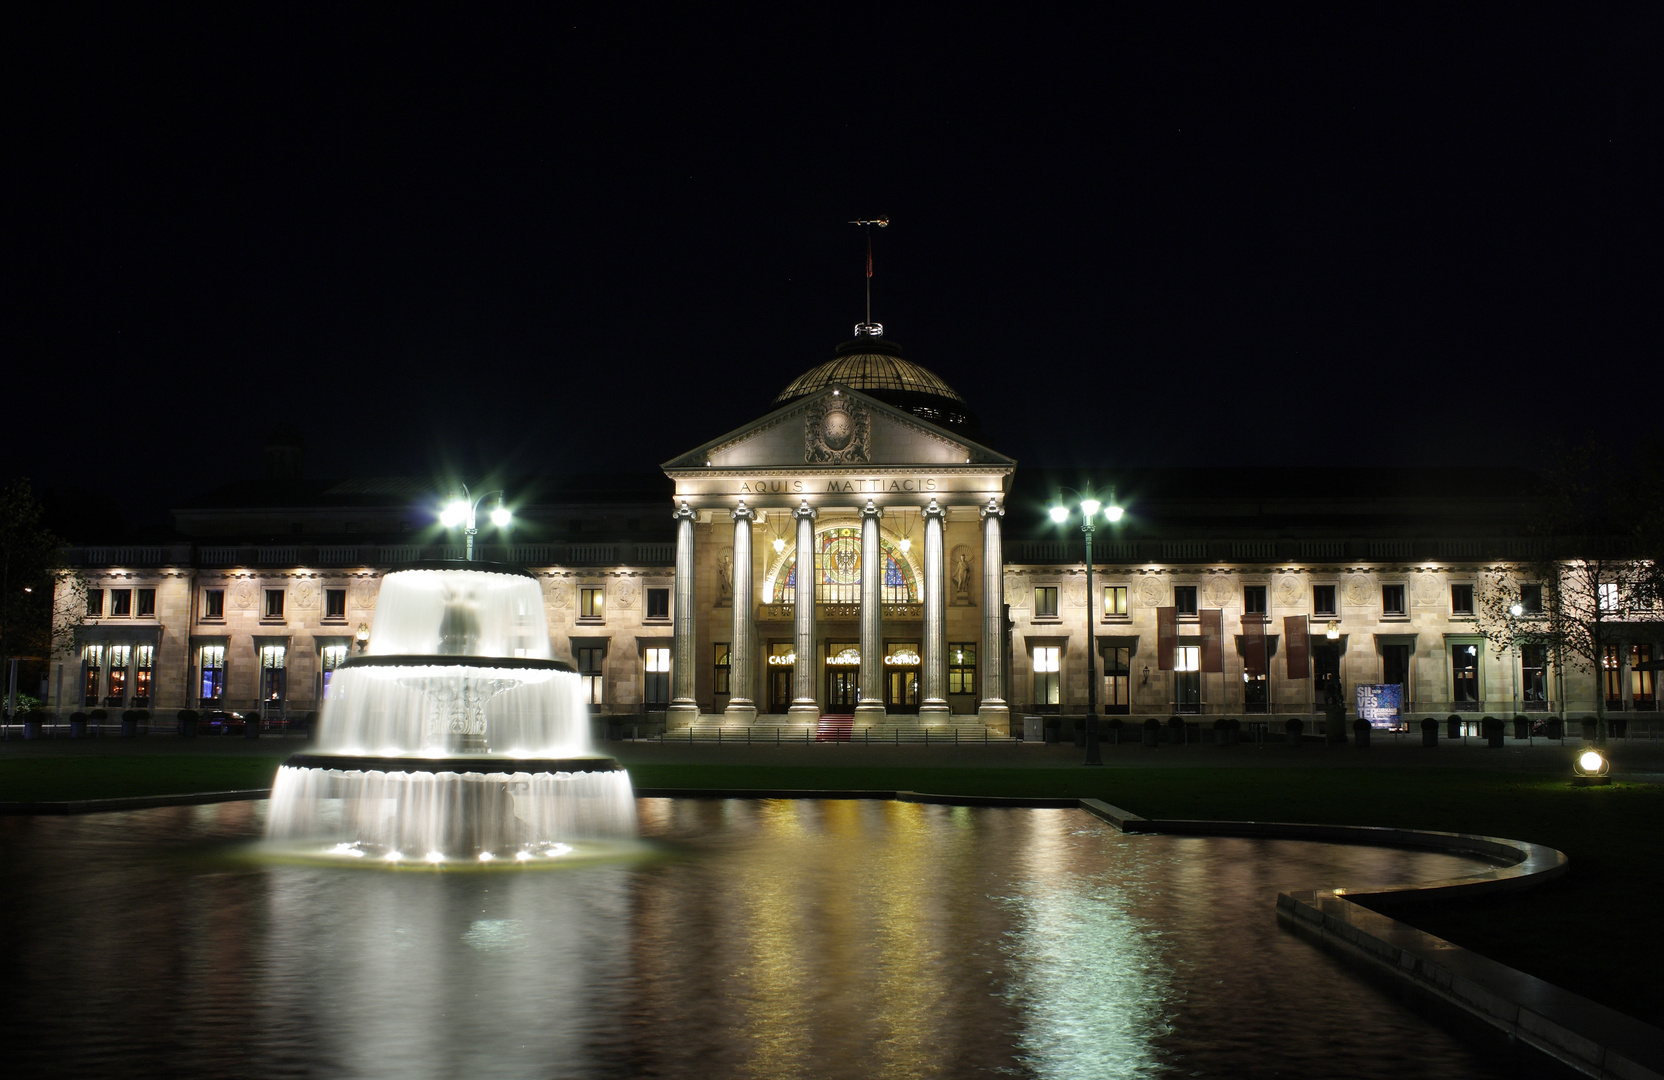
<point x="1253" y="645"/>
<point x="1213" y="633"/>
<point x="1167" y="637"/>
<point x="1299" y="651"/>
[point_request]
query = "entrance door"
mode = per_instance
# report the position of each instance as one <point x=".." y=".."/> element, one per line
<point x="901" y="690"/>
<point x="779" y="689"/>
<point x="841" y="686"/>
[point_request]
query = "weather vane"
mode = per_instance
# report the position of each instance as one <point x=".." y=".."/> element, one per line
<point x="870" y="328"/>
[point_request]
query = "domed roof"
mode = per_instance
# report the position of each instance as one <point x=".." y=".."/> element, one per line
<point x="875" y="366"/>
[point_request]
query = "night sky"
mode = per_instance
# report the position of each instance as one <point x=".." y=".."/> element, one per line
<point x="468" y="240"/>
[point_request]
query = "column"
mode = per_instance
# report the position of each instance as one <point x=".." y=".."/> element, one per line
<point x="993" y="710"/>
<point x="684" y="707"/>
<point x="742" y="709"/>
<point x="934" y="656"/>
<point x="871" y="705"/>
<point x="804" y="708"/>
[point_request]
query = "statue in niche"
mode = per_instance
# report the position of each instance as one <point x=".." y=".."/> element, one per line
<point x="725" y="580"/>
<point x="962" y="578"/>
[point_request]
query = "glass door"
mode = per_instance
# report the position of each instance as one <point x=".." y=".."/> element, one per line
<point x="843" y="677"/>
<point x="901" y="677"/>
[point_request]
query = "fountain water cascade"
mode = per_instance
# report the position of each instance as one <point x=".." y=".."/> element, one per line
<point x="456" y="736"/>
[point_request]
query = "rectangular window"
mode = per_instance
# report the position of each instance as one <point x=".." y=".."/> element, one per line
<point x="213" y="605"/>
<point x="1461" y="599"/>
<point x="212" y="666"/>
<point x="1323" y="601"/>
<point x="95" y="603"/>
<point x="1253" y="600"/>
<point x="274" y="604"/>
<point x="1609" y="597"/>
<point x="1187" y="679"/>
<point x="1117" y="672"/>
<point x="1392" y="600"/>
<point x="335" y="605"/>
<point x="1184" y="599"/>
<point x="93" y="656"/>
<point x="147" y="604"/>
<point x="1534" y="675"/>
<point x="720" y="668"/>
<point x="121" y="603"/>
<point x="332" y="657"/>
<point x="962" y="667"/>
<point x="1531" y="599"/>
<point x="656" y="690"/>
<point x="1642" y="694"/>
<point x="1464" y="677"/>
<point x="118" y="657"/>
<point x="591" y="604"/>
<point x="1325" y="670"/>
<point x="1045" y="602"/>
<point x="658" y="603"/>
<point x="144" y="668"/>
<point x="1611" y="676"/>
<point x="590" y="663"/>
<point x="272" y="673"/>
<point x="1395" y="667"/>
<point x="1115" y="601"/>
<point x="1046" y="665"/>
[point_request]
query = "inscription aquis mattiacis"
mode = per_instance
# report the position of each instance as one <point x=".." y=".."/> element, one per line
<point x="838" y="486"/>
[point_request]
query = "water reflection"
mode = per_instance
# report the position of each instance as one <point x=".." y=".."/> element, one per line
<point x="766" y="939"/>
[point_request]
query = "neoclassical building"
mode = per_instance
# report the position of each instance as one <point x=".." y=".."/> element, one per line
<point x="857" y="552"/>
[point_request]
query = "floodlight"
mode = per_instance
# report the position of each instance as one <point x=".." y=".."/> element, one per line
<point x="501" y="516"/>
<point x="454" y="514"/>
<point x="1060" y="514"/>
<point x="1089" y="507"/>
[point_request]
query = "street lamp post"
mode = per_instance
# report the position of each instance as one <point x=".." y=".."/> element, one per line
<point x="1089" y="506"/>
<point x="463" y="511"/>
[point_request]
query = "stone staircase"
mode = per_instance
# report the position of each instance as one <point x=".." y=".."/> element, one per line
<point x="894" y="730"/>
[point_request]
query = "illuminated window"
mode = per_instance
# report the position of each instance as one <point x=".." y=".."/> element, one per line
<point x="1461" y="599"/>
<point x="272" y="673"/>
<point x="590" y="661"/>
<point x="1047" y="662"/>
<point x="1609" y="597"/>
<point x="121" y="603"/>
<point x="591" y="605"/>
<point x="1184" y="599"/>
<point x="1187" y="679"/>
<point x="838" y="567"/>
<point x="1045" y="602"/>
<point x="333" y="656"/>
<point x="1464" y="677"/>
<point x="720" y="667"/>
<point x="1534" y="675"/>
<point x="1253" y="600"/>
<point x="335" y="605"/>
<point x="212" y="665"/>
<point x="147" y="604"/>
<point x="1117" y="687"/>
<point x="962" y="667"/>
<point x="118" y="657"/>
<point x="1323" y="601"/>
<point x="1392" y="600"/>
<point x="95" y="603"/>
<point x="1612" y="677"/>
<point x="93" y="657"/>
<point x="144" y="667"/>
<point x="1642" y="693"/>
<point x="1115" y="601"/>
<point x="213" y="605"/>
<point x="274" y="604"/>
<point x="658" y="604"/>
<point x="656" y="689"/>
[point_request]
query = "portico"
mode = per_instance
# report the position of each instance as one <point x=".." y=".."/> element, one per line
<point x="839" y="519"/>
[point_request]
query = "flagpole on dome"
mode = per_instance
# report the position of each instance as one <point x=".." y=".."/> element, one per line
<point x="870" y="328"/>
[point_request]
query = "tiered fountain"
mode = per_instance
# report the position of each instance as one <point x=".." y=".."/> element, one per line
<point x="456" y="737"/>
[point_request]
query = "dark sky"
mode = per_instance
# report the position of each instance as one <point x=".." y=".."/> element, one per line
<point x="449" y="237"/>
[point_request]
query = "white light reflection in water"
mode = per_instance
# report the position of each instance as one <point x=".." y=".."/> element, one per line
<point x="1084" y="974"/>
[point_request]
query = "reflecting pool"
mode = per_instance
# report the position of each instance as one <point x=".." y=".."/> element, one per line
<point x="744" y="938"/>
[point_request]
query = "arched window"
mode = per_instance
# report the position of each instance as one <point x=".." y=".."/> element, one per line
<point x="838" y="571"/>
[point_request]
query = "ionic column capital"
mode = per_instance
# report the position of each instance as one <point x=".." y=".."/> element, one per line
<point x="934" y="510"/>
<point x="683" y="511"/>
<point x="993" y="509"/>
<point x="806" y="511"/>
<point x="871" y="510"/>
<point x="742" y="512"/>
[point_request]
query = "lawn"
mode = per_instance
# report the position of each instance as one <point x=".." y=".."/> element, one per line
<point x="1595" y="931"/>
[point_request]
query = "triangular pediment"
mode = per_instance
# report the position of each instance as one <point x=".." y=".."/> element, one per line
<point x="837" y="428"/>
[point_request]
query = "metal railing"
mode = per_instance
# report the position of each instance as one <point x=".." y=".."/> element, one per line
<point x="809" y="734"/>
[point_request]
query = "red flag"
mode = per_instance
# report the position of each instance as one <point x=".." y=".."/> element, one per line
<point x="1212" y="623"/>
<point x="1167" y="637"/>
<point x="1253" y="645"/>
<point x="1295" y="627"/>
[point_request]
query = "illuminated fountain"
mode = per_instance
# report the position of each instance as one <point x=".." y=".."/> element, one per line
<point x="455" y="737"/>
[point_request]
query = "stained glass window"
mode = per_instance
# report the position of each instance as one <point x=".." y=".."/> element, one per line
<point x="838" y="559"/>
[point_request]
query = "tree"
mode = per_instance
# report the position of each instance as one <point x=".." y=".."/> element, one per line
<point x="42" y="602"/>
<point x="1598" y="568"/>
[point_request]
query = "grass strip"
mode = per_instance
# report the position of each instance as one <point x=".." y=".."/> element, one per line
<point x="54" y="779"/>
